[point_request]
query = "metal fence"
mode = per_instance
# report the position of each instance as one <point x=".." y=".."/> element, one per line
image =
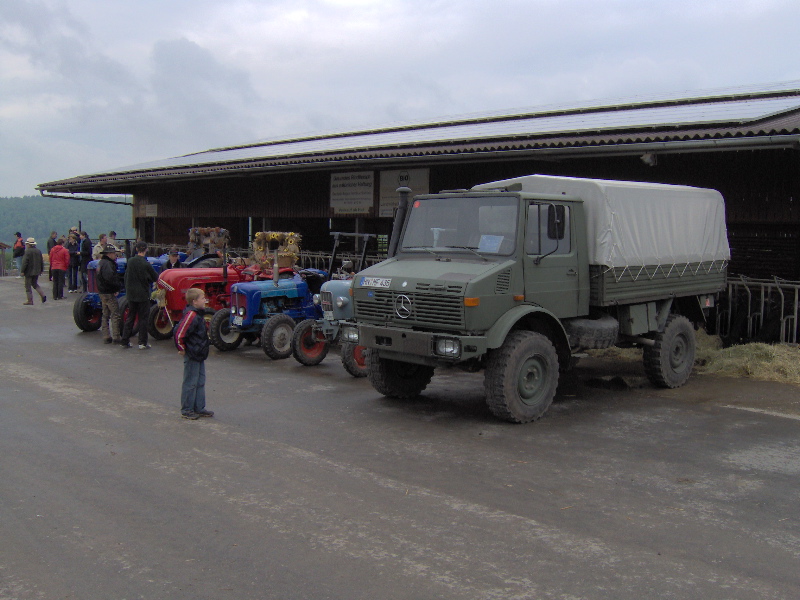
<point x="762" y="310"/>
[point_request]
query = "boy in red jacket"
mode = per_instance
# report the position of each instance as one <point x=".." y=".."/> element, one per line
<point x="191" y="339"/>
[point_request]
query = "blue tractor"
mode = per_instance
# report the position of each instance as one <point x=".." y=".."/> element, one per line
<point x="269" y="309"/>
<point x="87" y="310"/>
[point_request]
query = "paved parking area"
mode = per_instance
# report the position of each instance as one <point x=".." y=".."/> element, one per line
<point x="309" y="485"/>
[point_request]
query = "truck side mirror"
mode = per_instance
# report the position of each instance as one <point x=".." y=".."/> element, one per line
<point x="555" y="221"/>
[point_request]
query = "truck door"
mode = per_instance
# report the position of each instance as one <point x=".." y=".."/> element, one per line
<point x="553" y="278"/>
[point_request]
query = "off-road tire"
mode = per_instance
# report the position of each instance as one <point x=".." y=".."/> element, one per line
<point x="276" y="337"/>
<point x="123" y="314"/>
<point x="397" y="379"/>
<point x="669" y="362"/>
<point x="354" y="359"/>
<point x="86" y="316"/>
<point x="592" y="334"/>
<point x="521" y="377"/>
<point x="220" y="334"/>
<point x="309" y="348"/>
<point x="158" y="324"/>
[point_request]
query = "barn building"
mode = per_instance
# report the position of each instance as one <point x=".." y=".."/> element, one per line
<point x="744" y="141"/>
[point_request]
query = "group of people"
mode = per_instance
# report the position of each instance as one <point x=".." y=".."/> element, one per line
<point x="191" y="336"/>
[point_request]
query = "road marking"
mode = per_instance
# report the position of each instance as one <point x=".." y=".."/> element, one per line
<point x="771" y="413"/>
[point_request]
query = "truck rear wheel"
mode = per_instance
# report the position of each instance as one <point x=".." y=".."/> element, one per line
<point x="86" y="316"/>
<point x="397" y="379"/>
<point x="354" y="359"/>
<point x="521" y="377"/>
<point x="158" y="323"/>
<point x="219" y="330"/>
<point x="309" y="348"/>
<point x="276" y="337"/>
<point x="669" y="362"/>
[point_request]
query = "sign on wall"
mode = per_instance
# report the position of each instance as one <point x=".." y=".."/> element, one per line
<point x="352" y="193"/>
<point x="416" y="179"/>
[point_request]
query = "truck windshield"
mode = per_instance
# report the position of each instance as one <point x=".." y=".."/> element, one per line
<point x="484" y="225"/>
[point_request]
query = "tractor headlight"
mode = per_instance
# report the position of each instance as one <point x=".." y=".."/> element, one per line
<point x="447" y="347"/>
<point x="241" y="311"/>
<point x="350" y="334"/>
<point x="341" y="301"/>
<point x="233" y="310"/>
<point x="316" y="299"/>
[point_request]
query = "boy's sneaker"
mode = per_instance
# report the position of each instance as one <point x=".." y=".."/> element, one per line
<point x="190" y="415"/>
<point x="205" y="413"/>
<point x="144" y="346"/>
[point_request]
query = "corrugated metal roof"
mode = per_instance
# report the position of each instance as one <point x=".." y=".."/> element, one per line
<point x="736" y="113"/>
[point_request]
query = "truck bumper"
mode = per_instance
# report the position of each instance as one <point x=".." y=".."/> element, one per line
<point x="420" y="346"/>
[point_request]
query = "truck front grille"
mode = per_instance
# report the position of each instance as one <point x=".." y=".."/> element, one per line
<point x="425" y="309"/>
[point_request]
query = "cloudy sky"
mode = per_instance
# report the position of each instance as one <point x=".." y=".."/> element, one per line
<point x="87" y="85"/>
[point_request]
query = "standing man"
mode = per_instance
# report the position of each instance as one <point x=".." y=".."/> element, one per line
<point x="19" y="251"/>
<point x="32" y="267"/>
<point x="108" y="284"/>
<point x="139" y="279"/>
<point x="86" y="257"/>
<point x="51" y="241"/>
<point x="99" y="247"/>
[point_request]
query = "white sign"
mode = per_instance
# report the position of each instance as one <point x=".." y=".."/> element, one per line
<point x="416" y="179"/>
<point x="352" y="193"/>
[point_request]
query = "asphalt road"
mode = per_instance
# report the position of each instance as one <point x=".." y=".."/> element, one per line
<point x="309" y="485"/>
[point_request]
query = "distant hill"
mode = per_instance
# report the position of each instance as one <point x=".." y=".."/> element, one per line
<point x="36" y="216"/>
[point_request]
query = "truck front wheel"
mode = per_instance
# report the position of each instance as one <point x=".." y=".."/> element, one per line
<point x="669" y="362"/>
<point x="521" y="377"/>
<point x="219" y="330"/>
<point x="397" y="379"/>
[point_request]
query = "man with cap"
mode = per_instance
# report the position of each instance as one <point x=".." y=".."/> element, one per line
<point x="174" y="261"/>
<point x="32" y="267"/>
<point x="109" y="283"/>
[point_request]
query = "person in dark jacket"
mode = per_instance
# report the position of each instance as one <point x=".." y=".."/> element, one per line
<point x="86" y="258"/>
<point x="32" y="267"/>
<point x="174" y="261"/>
<point x="74" y="249"/>
<point x="191" y="339"/>
<point x="108" y="285"/>
<point x="139" y="279"/>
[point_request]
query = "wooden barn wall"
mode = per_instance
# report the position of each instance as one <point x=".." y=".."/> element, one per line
<point x="761" y="190"/>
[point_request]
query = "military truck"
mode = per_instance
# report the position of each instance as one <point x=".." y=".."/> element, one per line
<point x="519" y="276"/>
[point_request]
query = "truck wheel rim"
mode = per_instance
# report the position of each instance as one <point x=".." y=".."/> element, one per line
<point x="679" y="353"/>
<point x="532" y="379"/>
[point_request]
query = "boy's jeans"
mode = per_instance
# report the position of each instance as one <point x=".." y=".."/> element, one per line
<point x="193" y="391"/>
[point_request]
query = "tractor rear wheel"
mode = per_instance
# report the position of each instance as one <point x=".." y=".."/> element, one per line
<point x="87" y="317"/>
<point x="276" y="336"/>
<point x="220" y="333"/>
<point x="309" y="347"/>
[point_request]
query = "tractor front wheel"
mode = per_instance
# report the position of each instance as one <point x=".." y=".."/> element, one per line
<point x="354" y="359"/>
<point x="158" y="323"/>
<point x="309" y="347"/>
<point x="219" y="330"/>
<point x="87" y="317"/>
<point x="276" y="337"/>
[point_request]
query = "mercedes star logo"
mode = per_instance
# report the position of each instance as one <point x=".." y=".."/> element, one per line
<point x="402" y="306"/>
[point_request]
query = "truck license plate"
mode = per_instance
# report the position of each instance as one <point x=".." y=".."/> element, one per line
<point x="378" y="282"/>
<point x="237" y="320"/>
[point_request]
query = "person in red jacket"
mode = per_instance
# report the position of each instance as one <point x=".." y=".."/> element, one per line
<point x="59" y="264"/>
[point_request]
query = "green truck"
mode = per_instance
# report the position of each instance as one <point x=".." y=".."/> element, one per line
<point x="518" y="277"/>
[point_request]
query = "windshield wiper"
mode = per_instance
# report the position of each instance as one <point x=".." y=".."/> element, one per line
<point x="427" y="249"/>
<point x="472" y="249"/>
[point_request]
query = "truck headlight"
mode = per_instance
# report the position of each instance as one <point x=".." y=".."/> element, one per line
<point x="341" y="301"/>
<point x="447" y="347"/>
<point x="350" y="334"/>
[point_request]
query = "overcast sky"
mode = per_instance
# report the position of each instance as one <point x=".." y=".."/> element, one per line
<point x="87" y="85"/>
